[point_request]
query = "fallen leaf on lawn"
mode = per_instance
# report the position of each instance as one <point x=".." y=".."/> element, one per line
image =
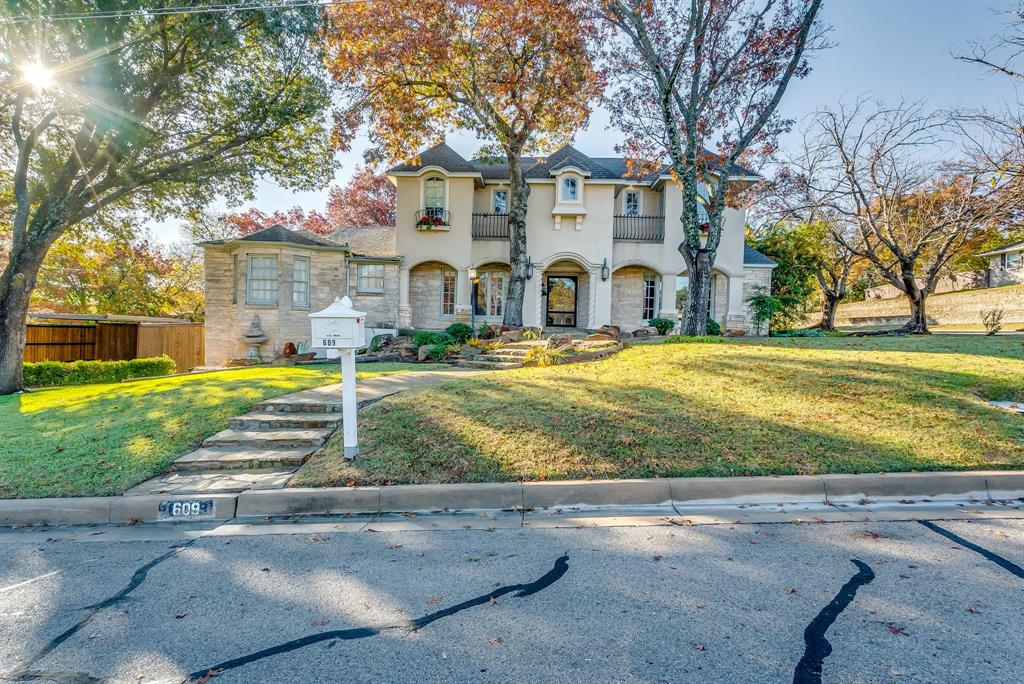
<point x="657" y="558"/>
<point x="394" y="546"/>
<point x="754" y="541"/>
<point x="320" y="623"/>
<point x="206" y="677"/>
<point x="790" y="590"/>
<point x="972" y="609"/>
<point x="496" y="640"/>
<point x="898" y="630"/>
<point x="264" y="569"/>
<point x="180" y="616"/>
<point x="493" y="601"/>
<point x="699" y="647"/>
<point x="700" y="605"/>
<point x="433" y="600"/>
<point x="472" y="559"/>
<point x="871" y="534"/>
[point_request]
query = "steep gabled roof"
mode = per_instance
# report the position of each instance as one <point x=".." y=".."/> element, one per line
<point x="438" y="155"/>
<point x="281" y="235"/>
<point x="751" y="257"/>
<point x="368" y="241"/>
<point x="570" y="156"/>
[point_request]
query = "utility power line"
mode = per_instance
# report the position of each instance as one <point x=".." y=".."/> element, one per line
<point x="221" y="8"/>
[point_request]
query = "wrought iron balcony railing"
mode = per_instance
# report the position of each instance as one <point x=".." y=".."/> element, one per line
<point x="639" y="228"/>
<point x="490" y="226"/>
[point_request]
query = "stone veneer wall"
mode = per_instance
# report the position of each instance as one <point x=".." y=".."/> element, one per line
<point x="381" y="309"/>
<point x="952" y="308"/>
<point x="754" y="278"/>
<point x="628" y="297"/>
<point x="425" y="296"/>
<point x="228" y="315"/>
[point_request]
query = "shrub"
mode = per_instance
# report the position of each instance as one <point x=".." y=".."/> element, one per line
<point x="693" y="339"/>
<point x="992" y="319"/>
<point x="426" y="337"/>
<point x="662" y="325"/>
<point x="532" y="333"/>
<point x="802" y="332"/>
<point x="763" y="305"/>
<point x="485" y="331"/>
<point x="439" y="351"/>
<point x="460" y="332"/>
<point x="49" y="373"/>
<point x="713" y="327"/>
<point x="542" y="356"/>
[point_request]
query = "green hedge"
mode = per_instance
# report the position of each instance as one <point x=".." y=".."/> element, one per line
<point x="49" y="373"/>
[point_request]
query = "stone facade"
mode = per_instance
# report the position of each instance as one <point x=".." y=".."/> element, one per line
<point x="425" y="296"/>
<point x="753" y="279"/>
<point x="381" y="309"/>
<point x="628" y="297"/>
<point x="228" y="312"/>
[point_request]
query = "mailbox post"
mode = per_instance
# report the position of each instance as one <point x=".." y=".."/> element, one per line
<point x="341" y="327"/>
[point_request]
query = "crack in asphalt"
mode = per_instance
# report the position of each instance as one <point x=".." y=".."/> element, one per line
<point x="1004" y="563"/>
<point x="522" y="590"/>
<point x="23" y="672"/>
<point x="816" y="646"/>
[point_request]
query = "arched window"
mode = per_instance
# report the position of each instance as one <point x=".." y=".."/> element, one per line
<point x="433" y="196"/>
<point x="570" y="189"/>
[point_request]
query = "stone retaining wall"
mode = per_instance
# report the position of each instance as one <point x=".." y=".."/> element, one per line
<point x="964" y="308"/>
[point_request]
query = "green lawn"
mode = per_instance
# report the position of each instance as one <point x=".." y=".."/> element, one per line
<point x="103" y="439"/>
<point x="744" y="407"/>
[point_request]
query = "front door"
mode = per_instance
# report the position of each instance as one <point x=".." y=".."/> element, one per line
<point x="561" y="311"/>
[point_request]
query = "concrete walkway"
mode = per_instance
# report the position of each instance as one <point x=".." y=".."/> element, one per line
<point x="263" y="448"/>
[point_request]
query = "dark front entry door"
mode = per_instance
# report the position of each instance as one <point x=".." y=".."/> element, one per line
<point x="562" y="301"/>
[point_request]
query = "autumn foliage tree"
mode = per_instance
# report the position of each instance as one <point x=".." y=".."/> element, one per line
<point x="368" y="199"/>
<point x="252" y="220"/>
<point x="517" y="73"/>
<point x="697" y="74"/>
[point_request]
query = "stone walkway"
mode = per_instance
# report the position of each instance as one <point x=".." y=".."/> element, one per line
<point x="263" y="448"/>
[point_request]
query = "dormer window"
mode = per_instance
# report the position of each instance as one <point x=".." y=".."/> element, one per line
<point x="433" y="196"/>
<point x="570" y="189"/>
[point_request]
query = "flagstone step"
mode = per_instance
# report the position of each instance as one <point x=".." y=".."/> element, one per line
<point x="236" y="457"/>
<point x="482" y="363"/>
<point x="275" y="420"/>
<point x="212" y="481"/>
<point x="284" y="438"/>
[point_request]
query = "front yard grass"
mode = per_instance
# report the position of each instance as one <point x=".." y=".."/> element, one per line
<point x="103" y="439"/>
<point x="743" y="407"/>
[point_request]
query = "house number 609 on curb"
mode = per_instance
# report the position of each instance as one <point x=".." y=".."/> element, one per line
<point x="187" y="509"/>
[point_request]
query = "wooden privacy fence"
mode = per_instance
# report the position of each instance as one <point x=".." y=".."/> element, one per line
<point x="115" y="341"/>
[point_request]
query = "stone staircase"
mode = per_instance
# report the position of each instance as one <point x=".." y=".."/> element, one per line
<point x="512" y="355"/>
<point x="259" y="450"/>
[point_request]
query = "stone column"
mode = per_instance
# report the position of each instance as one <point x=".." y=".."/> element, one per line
<point x="600" y="311"/>
<point x="667" y="308"/>
<point x="736" y="309"/>
<point x="463" y="296"/>
<point x="404" y="310"/>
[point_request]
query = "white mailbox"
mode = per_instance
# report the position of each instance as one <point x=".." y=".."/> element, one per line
<point x="339" y="326"/>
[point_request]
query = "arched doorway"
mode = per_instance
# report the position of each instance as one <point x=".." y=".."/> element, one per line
<point x="565" y="294"/>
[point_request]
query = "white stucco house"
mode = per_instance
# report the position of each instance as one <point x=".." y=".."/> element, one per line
<point x="1006" y="265"/>
<point x="602" y="247"/>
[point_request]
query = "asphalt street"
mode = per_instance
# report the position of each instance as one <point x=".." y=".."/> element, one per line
<point x="854" y="596"/>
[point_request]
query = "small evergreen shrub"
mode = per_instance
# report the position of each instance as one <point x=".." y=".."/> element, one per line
<point x="426" y="337"/>
<point x="50" y="373"/>
<point x="662" y="325"/>
<point x="802" y="332"/>
<point x="460" y="332"/>
<point x="713" y="327"/>
<point x="485" y="331"/>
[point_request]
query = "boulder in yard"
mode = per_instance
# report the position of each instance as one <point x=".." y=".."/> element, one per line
<point x="600" y="337"/>
<point x="559" y="341"/>
<point x="642" y="333"/>
<point x="612" y="331"/>
<point x="510" y="336"/>
<point x="423" y="353"/>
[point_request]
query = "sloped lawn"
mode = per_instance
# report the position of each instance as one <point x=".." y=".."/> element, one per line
<point x="745" y="407"/>
<point x="103" y="439"/>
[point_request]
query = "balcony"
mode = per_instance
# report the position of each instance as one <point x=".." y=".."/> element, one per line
<point x="639" y="228"/>
<point x="433" y="218"/>
<point x="490" y="226"/>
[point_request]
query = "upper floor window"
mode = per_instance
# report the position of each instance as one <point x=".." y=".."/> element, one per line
<point x="300" y="281"/>
<point x="433" y="195"/>
<point x="261" y="280"/>
<point x="501" y="201"/>
<point x="570" y="189"/>
<point x="370" y="278"/>
<point x="631" y="203"/>
<point x="1012" y="261"/>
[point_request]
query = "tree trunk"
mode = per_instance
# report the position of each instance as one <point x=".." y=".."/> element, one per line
<point x="918" y="323"/>
<point x="15" y="291"/>
<point x="828" y="312"/>
<point x="517" y="255"/>
<point x="698" y="271"/>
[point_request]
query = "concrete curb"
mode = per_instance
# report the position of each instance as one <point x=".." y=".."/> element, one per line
<point x="682" y="491"/>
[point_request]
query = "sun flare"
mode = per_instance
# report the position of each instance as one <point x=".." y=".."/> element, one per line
<point x="37" y="75"/>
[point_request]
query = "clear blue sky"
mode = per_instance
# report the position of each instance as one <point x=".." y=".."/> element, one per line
<point x="885" y="48"/>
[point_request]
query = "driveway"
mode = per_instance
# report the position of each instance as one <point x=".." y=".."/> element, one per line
<point x="481" y="598"/>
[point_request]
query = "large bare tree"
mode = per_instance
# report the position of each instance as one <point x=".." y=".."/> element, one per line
<point x="895" y="196"/>
<point x="699" y="74"/>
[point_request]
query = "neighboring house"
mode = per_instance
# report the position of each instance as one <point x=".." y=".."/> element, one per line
<point x="602" y="247"/>
<point x="1006" y="265"/>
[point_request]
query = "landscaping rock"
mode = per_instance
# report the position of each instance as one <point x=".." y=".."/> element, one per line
<point x="559" y="341"/>
<point x="510" y="336"/>
<point x="423" y="353"/>
<point x="600" y="337"/>
<point x="642" y="333"/>
<point x="612" y="331"/>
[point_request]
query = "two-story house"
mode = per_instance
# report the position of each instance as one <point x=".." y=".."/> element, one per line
<point x="602" y="246"/>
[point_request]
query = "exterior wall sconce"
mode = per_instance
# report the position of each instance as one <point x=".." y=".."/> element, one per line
<point x="605" y="272"/>
<point x="529" y="268"/>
